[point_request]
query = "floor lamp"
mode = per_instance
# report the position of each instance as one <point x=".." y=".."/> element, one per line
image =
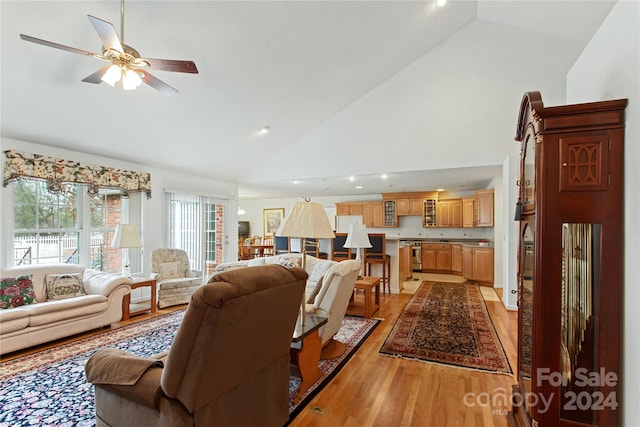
<point x="125" y="237"/>
<point x="358" y="239"/>
<point x="306" y="220"/>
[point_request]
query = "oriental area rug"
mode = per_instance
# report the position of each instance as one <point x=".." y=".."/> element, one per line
<point x="49" y="388"/>
<point x="448" y="323"/>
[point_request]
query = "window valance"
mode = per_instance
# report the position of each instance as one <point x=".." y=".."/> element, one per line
<point x="19" y="165"/>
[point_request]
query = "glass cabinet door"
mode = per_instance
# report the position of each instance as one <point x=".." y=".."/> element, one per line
<point x="525" y="309"/>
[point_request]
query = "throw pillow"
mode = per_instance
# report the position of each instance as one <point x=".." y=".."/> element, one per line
<point x="16" y="291"/>
<point x="170" y="270"/>
<point x="65" y="285"/>
<point x="315" y="292"/>
<point x="289" y="262"/>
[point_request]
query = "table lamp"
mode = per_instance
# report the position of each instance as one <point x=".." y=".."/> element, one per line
<point x="306" y="220"/>
<point x="358" y="239"/>
<point x="125" y="237"/>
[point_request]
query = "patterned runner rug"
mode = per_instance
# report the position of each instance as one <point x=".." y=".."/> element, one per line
<point x="448" y="323"/>
<point x="49" y="388"/>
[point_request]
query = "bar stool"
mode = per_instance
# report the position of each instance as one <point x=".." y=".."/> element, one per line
<point x="377" y="254"/>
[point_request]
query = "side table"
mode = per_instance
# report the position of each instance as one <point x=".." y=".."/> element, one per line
<point x="129" y="309"/>
<point x="307" y="356"/>
<point x="371" y="287"/>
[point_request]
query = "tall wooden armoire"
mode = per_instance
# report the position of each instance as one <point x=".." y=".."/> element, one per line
<point x="570" y="264"/>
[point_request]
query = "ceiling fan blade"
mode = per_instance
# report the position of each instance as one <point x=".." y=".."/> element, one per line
<point x="58" y="46"/>
<point x="158" y="84"/>
<point x="107" y="33"/>
<point x="172" y="65"/>
<point x="96" y="77"/>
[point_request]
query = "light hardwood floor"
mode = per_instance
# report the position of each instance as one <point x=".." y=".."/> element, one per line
<point x="376" y="390"/>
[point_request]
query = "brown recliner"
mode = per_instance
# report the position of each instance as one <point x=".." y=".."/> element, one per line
<point x="227" y="366"/>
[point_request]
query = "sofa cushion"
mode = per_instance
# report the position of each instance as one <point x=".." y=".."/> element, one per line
<point x="16" y="291"/>
<point x="289" y="262"/>
<point x="13" y="320"/>
<point x="311" y="297"/>
<point x="64" y="285"/>
<point x="255" y="261"/>
<point x="69" y="308"/>
<point x="170" y="270"/>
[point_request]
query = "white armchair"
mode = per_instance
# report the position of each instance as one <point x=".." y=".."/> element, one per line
<point x="176" y="282"/>
<point x="331" y="301"/>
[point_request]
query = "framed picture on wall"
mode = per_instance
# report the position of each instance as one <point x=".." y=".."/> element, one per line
<point x="272" y="219"/>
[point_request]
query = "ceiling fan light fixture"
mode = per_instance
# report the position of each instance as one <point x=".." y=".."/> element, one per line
<point x="130" y="80"/>
<point x="112" y="75"/>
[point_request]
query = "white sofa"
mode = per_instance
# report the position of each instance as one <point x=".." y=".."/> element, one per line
<point x="46" y="320"/>
<point x="330" y="299"/>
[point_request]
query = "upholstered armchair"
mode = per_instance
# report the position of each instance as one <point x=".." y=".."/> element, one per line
<point x="227" y="366"/>
<point x="176" y="282"/>
<point x="330" y="299"/>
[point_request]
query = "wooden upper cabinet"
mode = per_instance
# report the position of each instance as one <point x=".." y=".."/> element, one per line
<point x="449" y="213"/>
<point x="372" y="215"/>
<point x="443" y="213"/>
<point x="484" y="208"/>
<point x="468" y="213"/>
<point x="415" y="206"/>
<point x="372" y="212"/>
<point x="402" y="206"/>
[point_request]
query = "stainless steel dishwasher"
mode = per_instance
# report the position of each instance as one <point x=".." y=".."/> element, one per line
<point x="416" y="256"/>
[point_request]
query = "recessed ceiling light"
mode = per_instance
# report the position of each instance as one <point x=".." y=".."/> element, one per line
<point x="359" y="187"/>
<point x="264" y="130"/>
<point x="441" y="3"/>
<point x="385" y="176"/>
<point x="296" y="182"/>
<point x="440" y="189"/>
<point x="352" y="178"/>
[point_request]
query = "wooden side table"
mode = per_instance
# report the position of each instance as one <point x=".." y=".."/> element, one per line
<point x="129" y="309"/>
<point x="306" y="357"/>
<point x="371" y="287"/>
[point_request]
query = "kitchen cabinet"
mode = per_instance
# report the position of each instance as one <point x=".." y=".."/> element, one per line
<point x="477" y="264"/>
<point x="429" y="213"/>
<point x="483" y="203"/>
<point x="410" y="206"/>
<point x="456" y="258"/>
<point x="402" y="206"/>
<point x="405" y="263"/>
<point x="436" y="257"/>
<point x="349" y="208"/>
<point x="390" y="214"/>
<point x="468" y="213"/>
<point x="449" y="213"/>
<point x="372" y="214"/>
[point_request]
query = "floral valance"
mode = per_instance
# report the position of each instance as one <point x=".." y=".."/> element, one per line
<point x="19" y="165"/>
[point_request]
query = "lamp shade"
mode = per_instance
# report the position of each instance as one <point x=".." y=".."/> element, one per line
<point x="306" y="219"/>
<point x="357" y="237"/>
<point x="126" y="236"/>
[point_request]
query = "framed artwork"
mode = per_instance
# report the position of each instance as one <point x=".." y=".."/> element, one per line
<point x="272" y="219"/>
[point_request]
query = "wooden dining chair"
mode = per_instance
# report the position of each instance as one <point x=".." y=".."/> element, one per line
<point x="338" y="251"/>
<point x="377" y="254"/>
<point x="281" y="245"/>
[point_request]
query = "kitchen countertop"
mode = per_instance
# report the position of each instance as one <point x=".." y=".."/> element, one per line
<point x="465" y="242"/>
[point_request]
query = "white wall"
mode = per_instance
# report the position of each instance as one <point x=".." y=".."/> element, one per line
<point x="510" y="232"/>
<point x="425" y="115"/>
<point x="153" y="208"/>
<point x="609" y="68"/>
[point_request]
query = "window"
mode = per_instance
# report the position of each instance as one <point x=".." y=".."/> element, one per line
<point x="195" y="226"/>
<point x="46" y="225"/>
<point x="50" y="227"/>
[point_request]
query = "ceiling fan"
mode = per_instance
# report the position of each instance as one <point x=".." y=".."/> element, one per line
<point x="126" y="65"/>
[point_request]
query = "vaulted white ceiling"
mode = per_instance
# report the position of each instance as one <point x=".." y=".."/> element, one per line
<point x="427" y="95"/>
